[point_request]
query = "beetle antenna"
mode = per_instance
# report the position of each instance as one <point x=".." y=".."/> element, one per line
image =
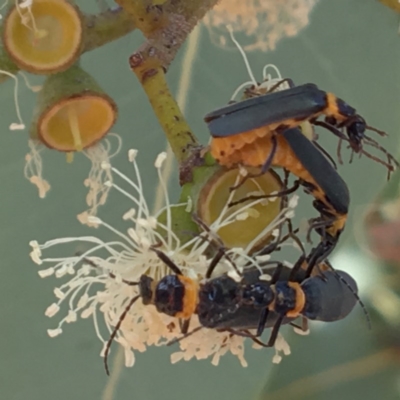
<point x="281" y="193"/>
<point x="176" y="340"/>
<point x="115" y="331"/>
<point x="167" y="261"/>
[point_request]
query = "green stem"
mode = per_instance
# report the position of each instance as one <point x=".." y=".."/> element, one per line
<point x="152" y="77"/>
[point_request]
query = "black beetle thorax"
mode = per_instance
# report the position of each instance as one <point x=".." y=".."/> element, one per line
<point x="285" y="298"/>
<point x="169" y="295"/>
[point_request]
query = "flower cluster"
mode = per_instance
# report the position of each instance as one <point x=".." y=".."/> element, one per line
<point x="265" y="22"/>
<point x="96" y="281"/>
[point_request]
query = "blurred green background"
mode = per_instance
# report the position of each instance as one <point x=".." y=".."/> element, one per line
<point x="350" y="47"/>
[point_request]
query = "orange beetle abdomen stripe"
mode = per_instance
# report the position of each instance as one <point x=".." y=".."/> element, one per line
<point x="300" y="300"/>
<point x="190" y="299"/>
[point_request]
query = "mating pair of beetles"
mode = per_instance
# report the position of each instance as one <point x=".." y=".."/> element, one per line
<point x="264" y="131"/>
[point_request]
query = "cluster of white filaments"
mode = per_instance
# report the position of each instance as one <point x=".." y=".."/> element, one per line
<point x="96" y="284"/>
<point x="268" y="82"/>
<point x="98" y="154"/>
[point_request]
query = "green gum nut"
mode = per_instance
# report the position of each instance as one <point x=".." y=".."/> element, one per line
<point x="72" y="111"/>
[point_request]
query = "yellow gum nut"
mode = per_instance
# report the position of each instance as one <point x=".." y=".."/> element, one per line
<point x="214" y="197"/>
<point x="45" y="37"/>
<point x="72" y="111"/>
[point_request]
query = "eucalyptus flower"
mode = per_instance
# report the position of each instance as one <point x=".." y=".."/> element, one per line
<point x="95" y="282"/>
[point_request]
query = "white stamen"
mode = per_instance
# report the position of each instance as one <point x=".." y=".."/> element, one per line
<point x="129" y="214"/>
<point x="83" y="301"/>
<point x="62" y="271"/>
<point x="71" y="270"/>
<point x="87" y="312"/>
<point x="52" y="310"/>
<point x="129" y="357"/>
<point x="267" y="77"/>
<point x="243" y="171"/>
<point x="287" y="264"/>
<point x="44" y="273"/>
<point x="234" y="275"/>
<point x="263" y="258"/>
<point x="189" y="205"/>
<point x="132" y="153"/>
<point x="294" y="201"/>
<point x="276" y="359"/>
<point x="34" y="88"/>
<point x="33" y="169"/>
<point x="71" y="317"/>
<point x="59" y="293"/>
<point x="20" y="125"/>
<point x="16" y="127"/>
<point x="35" y="257"/>
<point x="94" y="220"/>
<point x="289" y="214"/>
<point x="280" y="346"/>
<point x="246" y="61"/>
<point x="99" y="156"/>
<point x="160" y="160"/>
<point x="54" y="332"/>
<point x="132" y="233"/>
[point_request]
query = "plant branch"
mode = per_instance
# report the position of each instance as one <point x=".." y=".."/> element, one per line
<point x="152" y="77"/>
<point x="166" y="28"/>
<point x="105" y="27"/>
